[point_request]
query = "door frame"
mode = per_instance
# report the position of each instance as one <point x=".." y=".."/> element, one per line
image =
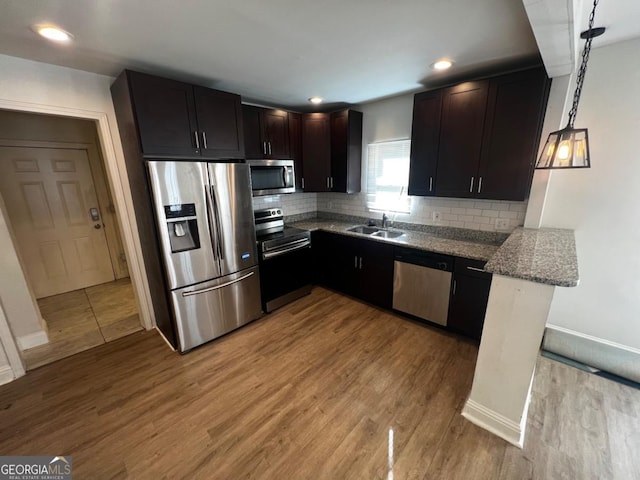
<point x="118" y="183"/>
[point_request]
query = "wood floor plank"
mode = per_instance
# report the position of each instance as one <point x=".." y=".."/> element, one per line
<point x="324" y="388"/>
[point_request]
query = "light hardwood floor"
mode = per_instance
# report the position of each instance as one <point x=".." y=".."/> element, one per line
<point x="324" y="388"/>
<point x="84" y="319"/>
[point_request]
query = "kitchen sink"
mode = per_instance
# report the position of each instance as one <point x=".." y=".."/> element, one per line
<point x="387" y="234"/>
<point x="376" y="232"/>
<point x="364" y="229"/>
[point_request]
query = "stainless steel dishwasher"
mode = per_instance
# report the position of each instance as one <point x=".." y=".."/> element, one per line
<point x="422" y="284"/>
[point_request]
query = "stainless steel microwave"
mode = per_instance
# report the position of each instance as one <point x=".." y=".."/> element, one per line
<point x="271" y="177"/>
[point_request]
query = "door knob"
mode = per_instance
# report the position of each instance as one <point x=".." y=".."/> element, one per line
<point x="97" y="226"/>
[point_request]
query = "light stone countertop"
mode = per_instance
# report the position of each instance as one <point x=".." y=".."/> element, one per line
<point x="545" y="255"/>
<point x="423" y="241"/>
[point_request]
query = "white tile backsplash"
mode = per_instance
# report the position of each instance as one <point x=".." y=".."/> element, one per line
<point x="454" y="212"/>
<point x="291" y="203"/>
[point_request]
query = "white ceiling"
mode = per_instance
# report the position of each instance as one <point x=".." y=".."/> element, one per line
<point x="277" y="51"/>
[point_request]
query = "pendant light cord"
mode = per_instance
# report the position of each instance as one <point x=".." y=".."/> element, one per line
<point x="583" y="67"/>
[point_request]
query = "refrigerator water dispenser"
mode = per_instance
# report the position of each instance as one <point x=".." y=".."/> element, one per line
<point x="182" y="227"/>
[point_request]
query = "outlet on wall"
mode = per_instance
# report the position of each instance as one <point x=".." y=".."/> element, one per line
<point x="437" y="216"/>
<point x="502" y="223"/>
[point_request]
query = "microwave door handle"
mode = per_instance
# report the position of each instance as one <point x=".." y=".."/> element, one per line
<point x="217" y="221"/>
<point x="286" y="176"/>
<point x="212" y="229"/>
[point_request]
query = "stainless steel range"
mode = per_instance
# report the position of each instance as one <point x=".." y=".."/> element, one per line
<point x="285" y="259"/>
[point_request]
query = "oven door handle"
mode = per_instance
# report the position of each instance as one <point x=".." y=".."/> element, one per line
<point x="305" y="242"/>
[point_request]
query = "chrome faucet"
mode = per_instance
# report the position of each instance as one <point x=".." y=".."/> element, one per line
<point x="385" y="219"/>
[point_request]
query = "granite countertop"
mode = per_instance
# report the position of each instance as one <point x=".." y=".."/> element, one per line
<point x="423" y="241"/>
<point x="545" y="255"/>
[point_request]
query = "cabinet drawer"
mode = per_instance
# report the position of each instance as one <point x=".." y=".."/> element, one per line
<point x="474" y="268"/>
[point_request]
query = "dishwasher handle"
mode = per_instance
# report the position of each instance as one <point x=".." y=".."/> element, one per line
<point x="422" y="258"/>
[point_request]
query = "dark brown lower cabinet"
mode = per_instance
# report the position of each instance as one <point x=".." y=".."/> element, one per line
<point x="361" y="268"/>
<point x="469" y="297"/>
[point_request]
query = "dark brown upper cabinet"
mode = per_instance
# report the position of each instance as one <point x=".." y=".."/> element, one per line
<point x="346" y="151"/>
<point x="316" y="152"/>
<point x="515" y="112"/>
<point x="425" y="140"/>
<point x="176" y="119"/>
<point x="461" y="124"/>
<point x="332" y="151"/>
<point x="478" y="139"/>
<point x="266" y="133"/>
<point x="295" y="146"/>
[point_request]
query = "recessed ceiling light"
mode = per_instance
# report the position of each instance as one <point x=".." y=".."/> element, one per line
<point x="442" y="64"/>
<point x="51" y="32"/>
<point x="316" y="100"/>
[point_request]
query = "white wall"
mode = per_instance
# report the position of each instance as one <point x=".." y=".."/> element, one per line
<point x="390" y="119"/>
<point x="602" y="203"/>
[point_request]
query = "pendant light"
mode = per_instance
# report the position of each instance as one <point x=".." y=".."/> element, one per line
<point x="569" y="147"/>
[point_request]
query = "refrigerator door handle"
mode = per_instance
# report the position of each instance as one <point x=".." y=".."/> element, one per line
<point x="217" y="287"/>
<point x="213" y="234"/>
<point x="217" y="220"/>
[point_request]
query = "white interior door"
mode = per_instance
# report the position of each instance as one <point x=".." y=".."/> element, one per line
<point x="49" y="194"/>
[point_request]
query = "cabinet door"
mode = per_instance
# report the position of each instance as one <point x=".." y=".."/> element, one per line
<point x="336" y="261"/>
<point x="316" y="153"/>
<point x="295" y="146"/>
<point x="346" y="151"/>
<point x="276" y="130"/>
<point x="219" y="123"/>
<point x="376" y="273"/>
<point x="469" y="297"/>
<point x="253" y="144"/>
<point x="513" y="124"/>
<point x="463" y="112"/>
<point x="165" y="114"/>
<point x="425" y="139"/>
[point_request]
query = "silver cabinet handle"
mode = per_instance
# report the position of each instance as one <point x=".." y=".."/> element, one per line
<point x="454" y="287"/>
<point x="302" y="180"/>
<point x="328" y="187"/>
<point x="479" y="184"/>
<point x="431" y="184"/>
<point x="360" y="263"/>
<point x="217" y="287"/>
<point x="476" y="269"/>
<point x="264" y="148"/>
<point x="331" y="182"/>
<point x="269" y="145"/>
<point x="355" y="261"/>
<point x="195" y="134"/>
<point x="471" y="186"/>
<point x="204" y="139"/>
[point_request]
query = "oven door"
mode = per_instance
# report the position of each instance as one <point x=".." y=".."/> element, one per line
<point x="270" y="177"/>
<point x="284" y="276"/>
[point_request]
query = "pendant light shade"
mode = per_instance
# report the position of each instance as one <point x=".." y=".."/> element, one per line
<point x="566" y="148"/>
<point x="569" y="147"/>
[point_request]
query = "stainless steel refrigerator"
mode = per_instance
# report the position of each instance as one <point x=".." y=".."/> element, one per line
<point x="204" y="218"/>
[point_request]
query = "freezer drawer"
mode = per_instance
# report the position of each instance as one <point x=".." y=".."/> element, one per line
<point x="211" y="309"/>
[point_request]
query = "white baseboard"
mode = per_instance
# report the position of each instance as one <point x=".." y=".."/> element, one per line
<point x="596" y="352"/>
<point x="6" y="374"/>
<point x="32" y="340"/>
<point x="495" y="423"/>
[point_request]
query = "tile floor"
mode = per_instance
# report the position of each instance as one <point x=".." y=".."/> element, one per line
<point x="83" y="319"/>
